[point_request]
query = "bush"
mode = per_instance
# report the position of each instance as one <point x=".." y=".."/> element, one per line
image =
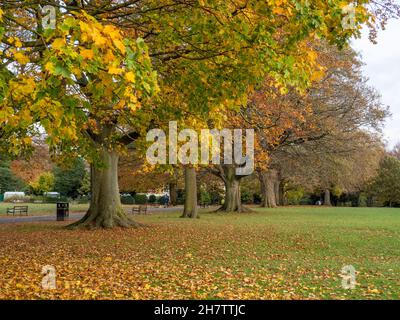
<point x="180" y="197"/>
<point x="44" y="183"/>
<point x="152" y="198"/>
<point x="44" y="199"/>
<point x="257" y="199"/>
<point x="295" y="197"/>
<point x="83" y="199"/>
<point x="160" y="200"/>
<point x="140" y="198"/>
<point x="73" y="180"/>
<point x="127" y="199"/>
<point x="205" y="197"/>
<point x="246" y="197"/>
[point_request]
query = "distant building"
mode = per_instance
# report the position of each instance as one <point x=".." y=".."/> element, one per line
<point x="13" y="195"/>
<point x="55" y="195"/>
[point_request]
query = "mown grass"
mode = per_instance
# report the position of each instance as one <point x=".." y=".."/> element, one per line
<point x="284" y="253"/>
<point x="40" y="209"/>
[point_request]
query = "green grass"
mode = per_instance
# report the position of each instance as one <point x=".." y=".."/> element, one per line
<point x="308" y="246"/>
<point x="38" y="209"/>
<point x="283" y="253"/>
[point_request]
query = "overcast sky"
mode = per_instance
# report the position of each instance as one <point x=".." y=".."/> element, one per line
<point x="382" y="67"/>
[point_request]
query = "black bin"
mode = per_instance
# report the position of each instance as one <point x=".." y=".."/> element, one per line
<point x="62" y="210"/>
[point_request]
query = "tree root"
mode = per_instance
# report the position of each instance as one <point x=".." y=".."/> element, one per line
<point x="242" y="209"/>
<point x="93" y="221"/>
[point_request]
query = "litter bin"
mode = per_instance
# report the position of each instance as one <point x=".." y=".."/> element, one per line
<point x="62" y="210"/>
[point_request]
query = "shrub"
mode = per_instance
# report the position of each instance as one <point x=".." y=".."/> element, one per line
<point x="44" y="183"/>
<point x="205" y="197"/>
<point x="127" y="199"/>
<point x="83" y="199"/>
<point x="246" y="197"/>
<point x="152" y="198"/>
<point x="140" y="198"/>
<point x="295" y="196"/>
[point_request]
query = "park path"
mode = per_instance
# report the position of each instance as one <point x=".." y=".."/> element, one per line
<point x="72" y="216"/>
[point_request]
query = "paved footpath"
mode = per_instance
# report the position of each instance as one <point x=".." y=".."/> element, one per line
<point x="72" y="217"/>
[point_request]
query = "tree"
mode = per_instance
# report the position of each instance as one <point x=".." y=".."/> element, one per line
<point x="44" y="183"/>
<point x="68" y="181"/>
<point x="386" y="185"/>
<point x="89" y="81"/>
<point x="8" y="180"/>
<point x="38" y="163"/>
<point x="92" y="80"/>
<point x="84" y="189"/>
<point x="190" y="208"/>
<point x="337" y="117"/>
<point x="396" y="151"/>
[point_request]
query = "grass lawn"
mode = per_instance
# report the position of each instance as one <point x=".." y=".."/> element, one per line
<point x="40" y="209"/>
<point x="285" y="253"/>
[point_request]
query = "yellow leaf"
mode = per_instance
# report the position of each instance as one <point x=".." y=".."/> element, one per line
<point x="99" y="40"/>
<point x="27" y="140"/>
<point x="109" y="56"/>
<point x="119" y="45"/>
<point x="15" y="41"/>
<point x="49" y="66"/>
<point x="87" y="53"/>
<point x="114" y="70"/>
<point x="21" y="58"/>
<point x="146" y="286"/>
<point x="130" y="76"/>
<point x="58" y="44"/>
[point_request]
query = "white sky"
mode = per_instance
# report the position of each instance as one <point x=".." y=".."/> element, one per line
<point x="382" y="67"/>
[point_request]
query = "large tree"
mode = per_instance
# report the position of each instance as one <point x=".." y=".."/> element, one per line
<point x="8" y="180"/>
<point x="88" y="83"/>
<point x="68" y="180"/>
<point x="335" y="117"/>
<point x="386" y="185"/>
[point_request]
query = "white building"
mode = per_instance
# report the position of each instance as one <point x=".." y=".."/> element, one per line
<point x="13" y="195"/>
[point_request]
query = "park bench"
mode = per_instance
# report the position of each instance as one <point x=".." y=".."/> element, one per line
<point x="18" y="209"/>
<point x="141" y="209"/>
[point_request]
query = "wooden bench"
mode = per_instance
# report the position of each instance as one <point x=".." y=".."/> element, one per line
<point x="142" y="209"/>
<point x="18" y="209"/>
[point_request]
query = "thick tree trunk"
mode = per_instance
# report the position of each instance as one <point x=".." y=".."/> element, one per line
<point x="277" y="187"/>
<point x="282" y="200"/>
<point x="327" y="198"/>
<point x="105" y="209"/>
<point x="268" y="181"/>
<point x="190" y="209"/>
<point x="172" y="193"/>
<point x="232" y="201"/>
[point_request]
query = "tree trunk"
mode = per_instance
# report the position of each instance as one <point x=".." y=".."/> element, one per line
<point x="327" y="198"/>
<point x="232" y="201"/>
<point x="277" y="187"/>
<point x="190" y="209"/>
<point x="105" y="210"/>
<point x="172" y="193"/>
<point x="232" y="196"/>
<point x="282" y="200"/>
<point x="268" y="181"/>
